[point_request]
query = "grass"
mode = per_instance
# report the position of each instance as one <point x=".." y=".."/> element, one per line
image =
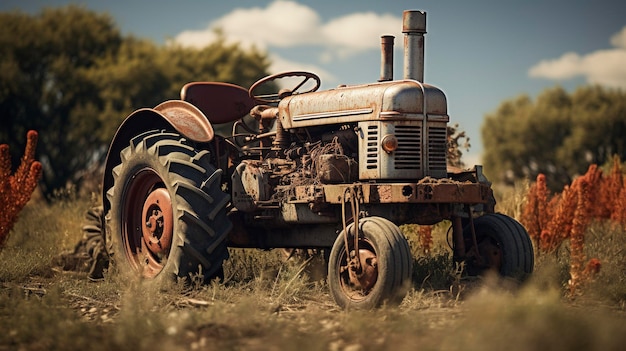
<point x="267" y="303"/>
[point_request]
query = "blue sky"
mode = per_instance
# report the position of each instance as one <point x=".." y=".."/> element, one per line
<point x="478" y="52"/>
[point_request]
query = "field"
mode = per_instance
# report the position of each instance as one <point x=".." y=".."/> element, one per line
<point x="269" y="303"/>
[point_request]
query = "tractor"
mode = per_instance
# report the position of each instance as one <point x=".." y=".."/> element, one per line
<point x="335" y="171"/>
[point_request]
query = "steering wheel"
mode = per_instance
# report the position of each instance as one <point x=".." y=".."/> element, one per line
<point x="276" y="97"/>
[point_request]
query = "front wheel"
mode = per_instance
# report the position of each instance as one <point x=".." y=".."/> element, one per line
<point x="383" y="271"/>
<point x="503" y="246"/>
<point x="167" y="217"/>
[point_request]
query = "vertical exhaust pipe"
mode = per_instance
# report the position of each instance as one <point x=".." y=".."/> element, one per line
<point x="414" y="28"/>
<point x="386" y="58"/>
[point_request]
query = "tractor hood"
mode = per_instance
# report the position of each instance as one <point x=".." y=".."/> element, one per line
<point x="391" y="100"/>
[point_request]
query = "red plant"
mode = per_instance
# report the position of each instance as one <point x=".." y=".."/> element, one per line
<point x="593" y="268"/>
<point x="577" y="237"/>
<point x="560" y="222"/>
<point x="620" y="208"/>
<point x="595" y="179"/>
<point x="550" y="220"/>
<point x="530" y="213"/>
<point x="16" y="189"/>
<point x="426" y="237"/>
<point x="614" y="192"/>
<point x="538" y="212"/>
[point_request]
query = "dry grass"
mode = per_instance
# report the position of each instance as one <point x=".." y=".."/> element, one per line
<point x="266" y="303"/>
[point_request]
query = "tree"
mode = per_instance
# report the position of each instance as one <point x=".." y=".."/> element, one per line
<point x="457" y="140"/>
<point x="141" y="74"/>
<point x="70" y="75"/>
<point x="41" y="58"/>
<point x="559" y="134"/>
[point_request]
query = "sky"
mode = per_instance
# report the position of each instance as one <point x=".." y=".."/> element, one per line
<point x="479" y="52"/>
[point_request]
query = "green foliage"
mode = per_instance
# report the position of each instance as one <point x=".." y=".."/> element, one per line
<point x="559" y="134"/>
<point x="457" y="141"/>
<point x="41" y="80"/>
<point x="69" y="74"/>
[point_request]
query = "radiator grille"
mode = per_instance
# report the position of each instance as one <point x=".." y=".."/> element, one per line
<point x="408" y="155"/>
<point x="421" y="151"/>
<point x="437" y="147"/>
<point x="371" y="158"/>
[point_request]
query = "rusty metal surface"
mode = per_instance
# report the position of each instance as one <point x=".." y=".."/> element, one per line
<point x="136" y="203"/>
<point x="158" y="224"/>
<point x="421" y="151"/>
<point x="414" y="28"/>
<point x="424" y="192"/>
<point x="186" y="119"/>
<point x="458" y="239"/>
<point x="384" y="100"/>
<point x="250" y="185"/>
<point x="386" y="58"/>
<point x="364" y="274"/>
<point x="335" y="169"/>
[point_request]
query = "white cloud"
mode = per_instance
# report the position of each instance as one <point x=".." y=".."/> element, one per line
<point x="358" y="31"/>
<point x="284" y="24"/>
<point x="567" y="66"/>
<point x="281" y="24"/>
<point x="619" y="39"/>
<point x="604" y="67"/>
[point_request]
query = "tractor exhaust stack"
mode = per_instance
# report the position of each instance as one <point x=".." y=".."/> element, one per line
<point x="386" y="58"/>
<point x="414" y="28"/>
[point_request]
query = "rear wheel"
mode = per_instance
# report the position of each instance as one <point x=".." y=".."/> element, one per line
<point x="385" y="262"/>
<point x="503" y="246"/>
<point x="167" y="216"/>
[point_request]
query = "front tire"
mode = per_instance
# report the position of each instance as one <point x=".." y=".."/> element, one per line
<point x="168" y="213"/>
<point x="386" y="263"/>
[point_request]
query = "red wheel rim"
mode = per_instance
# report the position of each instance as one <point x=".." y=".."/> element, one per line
<point x="147" y="223"/>
<point x="357" y="284"/>
<point x="157" y="228"/>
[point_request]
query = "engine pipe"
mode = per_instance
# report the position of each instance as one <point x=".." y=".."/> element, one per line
<point x="414" y="28"/>
<point x="386" y="58"/>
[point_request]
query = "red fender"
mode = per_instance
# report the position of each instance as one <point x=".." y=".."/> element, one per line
<point x="187" y="119"/>
<point x="177" y="115"/>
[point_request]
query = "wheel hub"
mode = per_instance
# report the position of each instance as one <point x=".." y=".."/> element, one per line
<point x="366" y="275"/>
<point x="157" y="227"/>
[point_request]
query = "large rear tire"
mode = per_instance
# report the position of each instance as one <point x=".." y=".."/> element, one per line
<point x="504" y="246"/>
<point x="168" y="213"/>
<point x="386" y="264"/>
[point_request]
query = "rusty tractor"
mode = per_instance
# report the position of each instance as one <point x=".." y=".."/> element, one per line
<point x="336" y="170"/>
